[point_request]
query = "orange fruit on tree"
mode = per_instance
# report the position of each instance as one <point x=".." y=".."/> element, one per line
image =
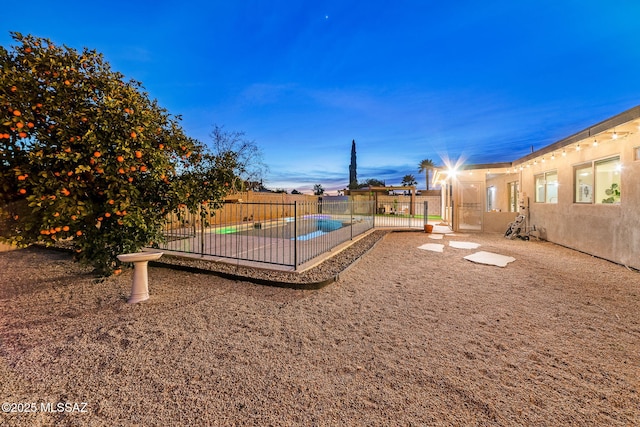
<point x="97" y="154"/>
<point x="132" y="168"/>
<point x="22" y="191"/>
<point x="21" y="177"/>
<point x="13" y="88"/>
<point x="79" y="233"/>
<point x="120" y="159"/>
<point x="22" y="135"/>
<point x="133" y="135"/>
<point x="161" y="146"/>
<point x="138" y="154"/>
<point x="143" y="168"/>
<point x="30" y="125"/>
<point x="17" y="113"/>
<point x="130" y="179"/>
<point x="111" y="202"/>
<point x="19" y="125"/>
<point x="107" y="214"/>
<point x="65" y="228"/>
<point x="121" y="171"/>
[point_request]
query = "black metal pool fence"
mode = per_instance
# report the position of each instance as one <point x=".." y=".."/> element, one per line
<point x="279" y="233"/>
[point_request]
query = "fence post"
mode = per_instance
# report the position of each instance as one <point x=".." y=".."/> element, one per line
<point x="351" y="220"/>
<point x="426" y="212"/>
<point x="201" y="230"/>
<point x="295" y="235"/>
<point x="374" y="210"/>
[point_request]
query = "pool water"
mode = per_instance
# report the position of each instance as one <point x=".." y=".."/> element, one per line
<point x="308" y="228"/>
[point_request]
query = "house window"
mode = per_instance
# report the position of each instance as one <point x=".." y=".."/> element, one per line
<point x="598" y="182"/>
<point x="584" y="183"/>
<point x="513" y="189"/>
<point x="547" y="187"/>
<point x="491" y="198"/>
<point x="608" y="181"/>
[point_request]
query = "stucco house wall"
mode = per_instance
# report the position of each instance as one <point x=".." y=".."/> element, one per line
<point x="609" y="231"/>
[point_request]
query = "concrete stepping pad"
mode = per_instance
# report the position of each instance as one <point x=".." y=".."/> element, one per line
<point x="490" y="258"/>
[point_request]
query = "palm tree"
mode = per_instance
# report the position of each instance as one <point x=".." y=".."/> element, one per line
<point x="409" y="180"/>
<point x="425" y="166"/>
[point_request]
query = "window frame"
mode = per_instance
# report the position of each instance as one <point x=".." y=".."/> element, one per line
<point x="545" y="186"/>
<point x="592" y="187"/>
<point x="513" y="190"/>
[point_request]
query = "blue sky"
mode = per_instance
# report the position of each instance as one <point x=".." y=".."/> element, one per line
<point x="408" y="80"/>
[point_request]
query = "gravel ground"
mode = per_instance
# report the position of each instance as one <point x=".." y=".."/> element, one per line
<point x="404" y="337"/>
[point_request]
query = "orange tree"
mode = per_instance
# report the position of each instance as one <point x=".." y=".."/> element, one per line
<point x="86" y="157"/>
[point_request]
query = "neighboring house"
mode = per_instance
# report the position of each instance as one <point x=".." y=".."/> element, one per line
<point x="582" y="192"/>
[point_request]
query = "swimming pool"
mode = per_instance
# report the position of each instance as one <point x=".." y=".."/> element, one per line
<point x="309" y="228"/>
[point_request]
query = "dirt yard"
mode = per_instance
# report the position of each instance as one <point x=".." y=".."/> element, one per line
<point x="405" y="337"/>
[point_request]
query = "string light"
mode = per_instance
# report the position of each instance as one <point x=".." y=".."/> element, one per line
<point x="595" y="142"/>
<point x="564" y="153"/>
<point x="578" y="147"/>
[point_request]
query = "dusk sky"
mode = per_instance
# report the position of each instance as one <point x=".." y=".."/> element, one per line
<point x="408" y="80"/>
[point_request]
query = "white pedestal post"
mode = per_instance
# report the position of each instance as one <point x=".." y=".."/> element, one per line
<point x="140" y="283"/>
